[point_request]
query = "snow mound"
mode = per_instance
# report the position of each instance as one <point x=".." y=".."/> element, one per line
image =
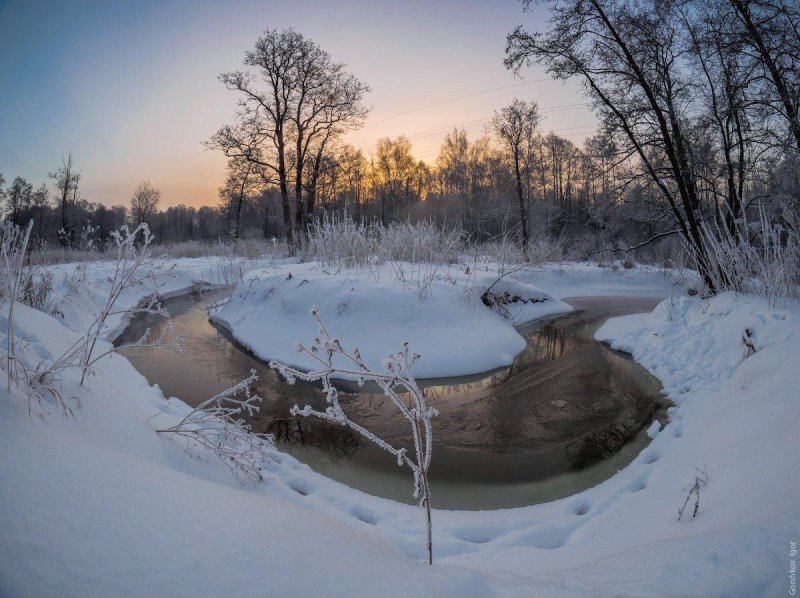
<point x="442" y="317"/>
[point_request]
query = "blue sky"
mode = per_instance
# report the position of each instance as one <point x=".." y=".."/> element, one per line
<point x="130" y="87"/>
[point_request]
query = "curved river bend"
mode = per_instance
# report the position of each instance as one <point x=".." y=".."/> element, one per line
<point x="566" y="415"/>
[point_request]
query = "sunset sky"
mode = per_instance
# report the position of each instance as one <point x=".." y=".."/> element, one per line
<point x="131" y="87"/>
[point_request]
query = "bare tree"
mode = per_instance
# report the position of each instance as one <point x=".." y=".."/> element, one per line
<point x="19" y="197"/>
<point x="353" y="166"/>
<point x="306" y="99"/>
<point x="66" y="182"/>
<point x="144" y="203"/>
<point x="629" y="57"/>
<point x="515" y="126"/>
<point x="261" y="131"/>
<point x="772" y="29"/>
<point x="726" y="76"/>
<point x="329" y="101"/>
<point x="394" y="174"/>
<point x="240" y="182"/>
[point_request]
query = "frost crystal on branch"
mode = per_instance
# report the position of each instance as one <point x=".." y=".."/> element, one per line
<point x="217" y="425"/>
<point x="135" y="265"/>
<point x="396" y="382"/>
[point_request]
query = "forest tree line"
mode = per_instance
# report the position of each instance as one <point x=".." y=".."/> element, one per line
<point x="470" y="184"/>
<point x="698" y="105"/>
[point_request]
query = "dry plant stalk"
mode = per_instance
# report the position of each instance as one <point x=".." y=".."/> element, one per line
<point x="216" y="425"/>
<point x="395" y="382"/>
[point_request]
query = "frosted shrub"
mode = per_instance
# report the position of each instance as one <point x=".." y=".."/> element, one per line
<point x="422" y="242"/>
<point x="245" y="248"/>
<point x="134" y="266"/>
<point x="502" y="250"/>
<point x="13" y="246"/>
<point x="396" y="382"/>
<point x="228" y="270"/>
<point x="216" y="425"/>
<point x="50" y="255"/>
<point x="88" y="240"/>
<point x="764" y="259"/>
<point x="545" y="249"/>
<point x="341" y="242"/>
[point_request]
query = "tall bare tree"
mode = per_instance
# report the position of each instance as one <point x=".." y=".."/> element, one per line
<point x="329" y="101"/>
<point x="239" y="184"/>
<point x="66" y="182"/>
<point x="629" y="57"/>
<point x="144" y="203"/>
<point x="261" y="131"/>
<point x="772" y="29"/>
<point x="306" y="99"/>
<point x="515" y="126"/>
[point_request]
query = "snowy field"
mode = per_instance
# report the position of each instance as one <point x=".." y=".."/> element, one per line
<point x="101" y="505"/>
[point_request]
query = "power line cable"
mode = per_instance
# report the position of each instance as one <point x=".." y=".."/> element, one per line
<point x="469" y="95"/>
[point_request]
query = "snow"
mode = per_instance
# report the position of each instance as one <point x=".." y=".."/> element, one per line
<point x="439" y="309"/>
<point x="101" y="505"/>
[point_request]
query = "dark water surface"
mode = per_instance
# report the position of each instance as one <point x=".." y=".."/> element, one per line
<point x="566" y="415"/>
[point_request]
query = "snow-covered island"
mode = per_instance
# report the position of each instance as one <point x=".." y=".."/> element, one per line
<point x="441" y="311"/>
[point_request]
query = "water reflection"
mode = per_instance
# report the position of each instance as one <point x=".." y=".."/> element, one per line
<point x="565" y="403"/>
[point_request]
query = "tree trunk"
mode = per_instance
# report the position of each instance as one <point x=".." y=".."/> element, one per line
<point x="284" y="188"/>
<point x="523" y="213"/>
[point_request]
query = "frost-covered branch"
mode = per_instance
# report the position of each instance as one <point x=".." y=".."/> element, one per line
<point x="134" y="266"/>
<point x="13" y="245"/>
<point x="396" y="382"/>
<point x="217" y="425"/>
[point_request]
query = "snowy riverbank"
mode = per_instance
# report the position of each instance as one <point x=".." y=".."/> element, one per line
<point x="102" y="505"/>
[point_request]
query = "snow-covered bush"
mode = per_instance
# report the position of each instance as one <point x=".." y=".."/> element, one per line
<point x="422" y="242"/>
<point x="134" y="266"/>
<point x="396" y="382"/>
<point x="13" y="247"/>
<point x="342" y="242"/>
<point x="764" y="259"/>
<point x="217" y="426"/>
